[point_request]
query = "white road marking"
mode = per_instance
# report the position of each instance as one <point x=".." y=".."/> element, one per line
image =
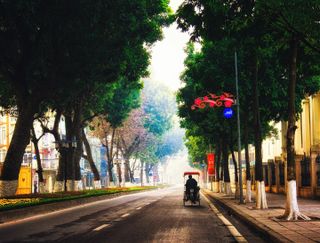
<point x="235" y="233"/>
<point x="125" y="215"/>
<point x="101" y="227"/>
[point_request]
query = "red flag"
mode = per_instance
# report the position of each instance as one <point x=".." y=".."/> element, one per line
<point x="210" y="158"/>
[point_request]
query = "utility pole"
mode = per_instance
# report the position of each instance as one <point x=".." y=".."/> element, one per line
<point x="238" y="123"/>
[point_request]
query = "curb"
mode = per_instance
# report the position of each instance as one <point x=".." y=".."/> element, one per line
<point x="21" y="213"/>
<point x="269" y="234"/>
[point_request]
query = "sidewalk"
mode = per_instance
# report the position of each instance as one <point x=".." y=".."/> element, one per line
<point x="275" y="230"/>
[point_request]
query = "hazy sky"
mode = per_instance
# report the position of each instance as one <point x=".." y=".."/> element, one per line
<point x="168" y="55"/>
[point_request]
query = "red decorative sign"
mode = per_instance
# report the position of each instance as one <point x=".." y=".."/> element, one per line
<point x="210" y="158"/>
<point x="213" y="100"/>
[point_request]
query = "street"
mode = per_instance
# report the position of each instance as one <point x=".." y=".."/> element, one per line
<point x="155" y="216"/>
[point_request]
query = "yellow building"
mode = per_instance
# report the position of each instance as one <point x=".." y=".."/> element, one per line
<point x="307" y="148"/>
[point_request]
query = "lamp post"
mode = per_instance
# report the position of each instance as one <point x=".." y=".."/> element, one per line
<point x="226" y="100"/>
<point x="212" y="100"/>
<point x="238" y="125"/>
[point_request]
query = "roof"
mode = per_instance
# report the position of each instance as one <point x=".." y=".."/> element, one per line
<point x="191" y="173"/>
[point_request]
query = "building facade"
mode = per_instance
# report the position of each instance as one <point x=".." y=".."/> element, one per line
<point x="307" y="148"/>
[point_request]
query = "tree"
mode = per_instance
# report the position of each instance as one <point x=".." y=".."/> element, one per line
<point x="132" y="137"/>
<point x="158" y="105"/>
<point x="54" y="47"/>
<point x="296" y="25"/>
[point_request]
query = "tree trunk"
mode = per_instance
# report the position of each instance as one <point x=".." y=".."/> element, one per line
<point x="132" y="169"/>
<point x="110" y="166"/>
<point x="246" y="150"/>
<point x="261" y="201"/>
<point x="221" y="182"/>
<point x="35" y="141"/>
<point x="78" y="150"/>
<point x="62" y="168"/>
<point x="127" y="152"/>
<point x="226" y="174"/>
<point x="69" y="159"/>
<point x="218" y="161"/>
<point x="292" y="210"/>
<point x="147" y="169"/>
<point x="141" y="172"/>
<point x="119" y="171"/>
<point x="217" y="165"/>
<point x="127" y="170"/>
<point x="20" y="140"/>
<point x="109" y="150"/>
<point x="236" y="178"/>
<point x="89" y="157"/>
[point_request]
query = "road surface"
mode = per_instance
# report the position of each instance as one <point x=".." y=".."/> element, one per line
<point x="153" y="216"/>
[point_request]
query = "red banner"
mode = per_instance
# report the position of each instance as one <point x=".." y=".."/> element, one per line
<point x="210" y="158"/>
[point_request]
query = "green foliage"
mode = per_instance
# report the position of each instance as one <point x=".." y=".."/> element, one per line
<point x="225" y="26"/>
<point x="68" y="47"/>
<point x="197" y="147"/>
<point x="159" y="107"/>
<point x="125" y="97"/>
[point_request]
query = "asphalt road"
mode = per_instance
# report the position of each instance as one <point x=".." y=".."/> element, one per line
<point x="154" y="216"/>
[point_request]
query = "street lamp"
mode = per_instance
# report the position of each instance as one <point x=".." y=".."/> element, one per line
<point x="227" y="100"/>
<point x="238" y="124"/>
<point x="212" y="100"/>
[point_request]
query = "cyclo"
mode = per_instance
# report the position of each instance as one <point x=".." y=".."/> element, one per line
<point x="193" y="194"/>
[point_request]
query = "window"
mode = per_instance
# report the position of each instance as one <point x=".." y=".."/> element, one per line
<point x="273" y="174"/>
<point x="3" y="135"/>
<point x="2" y="155"/>
<point x="301" y="137"/>
<point x="281" y="172"/>
<point x="13" y="119"/>
<point x="3" y="118"/>
<point x="305" y="171"/>
<point x="318" y="170"/>
<point x="27" y="158"/>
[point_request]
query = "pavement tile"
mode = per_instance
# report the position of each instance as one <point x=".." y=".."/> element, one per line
<point x="314" y="229"/>
<point x="299" y="239"/>
<point x="316" y="222"/>
<point x="296" y="231"/>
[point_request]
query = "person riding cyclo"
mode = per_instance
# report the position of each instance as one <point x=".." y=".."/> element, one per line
<point x="192" y="184"/>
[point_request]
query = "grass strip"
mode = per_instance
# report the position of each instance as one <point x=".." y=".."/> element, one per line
<point x="22" y="201"/>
